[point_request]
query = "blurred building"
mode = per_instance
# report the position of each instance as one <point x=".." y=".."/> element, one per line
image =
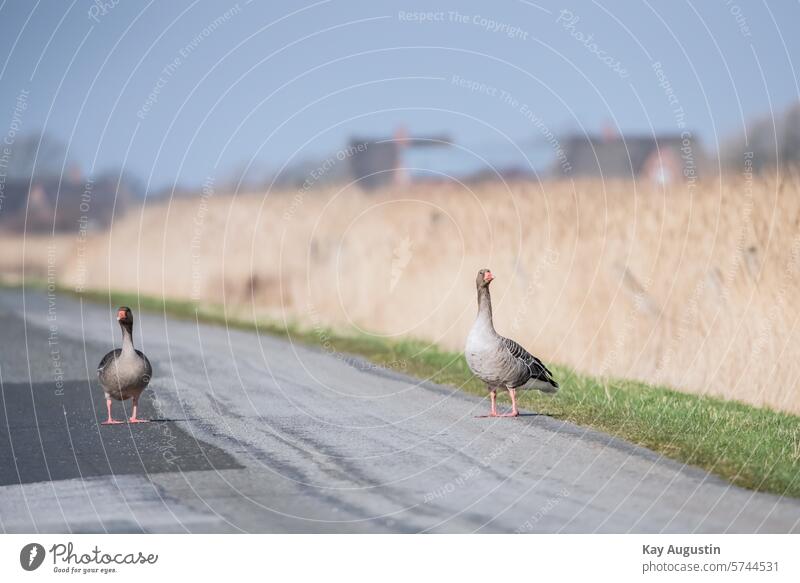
<point x="375" y="163"/>
<point x="660" y="159"/>
<point x="69" y="204"/>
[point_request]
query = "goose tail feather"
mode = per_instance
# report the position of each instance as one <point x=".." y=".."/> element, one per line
<point x="545" y="386"/>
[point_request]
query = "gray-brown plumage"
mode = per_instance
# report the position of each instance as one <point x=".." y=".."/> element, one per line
<point x="498" y="361"/>
<point x="124" y="373"/>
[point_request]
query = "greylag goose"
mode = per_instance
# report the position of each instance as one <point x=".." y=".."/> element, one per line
<point x="125" y="372"/>
<point x="500" y="362"/>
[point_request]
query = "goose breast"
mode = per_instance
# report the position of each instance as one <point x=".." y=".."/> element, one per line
<point x="122" y="376"/>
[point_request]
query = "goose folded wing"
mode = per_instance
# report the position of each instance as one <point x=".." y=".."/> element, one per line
<point x="148" y="368"/>
<point x="536" y="367"/>
<point x="108" y="358"/>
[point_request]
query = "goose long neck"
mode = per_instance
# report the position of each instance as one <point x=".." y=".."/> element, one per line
<point x="127" y="337"/>
<point x="485" y="306"/>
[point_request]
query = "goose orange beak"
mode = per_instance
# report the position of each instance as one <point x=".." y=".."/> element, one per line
<point x="488" y="276"/>
<point x="120" y="315"/>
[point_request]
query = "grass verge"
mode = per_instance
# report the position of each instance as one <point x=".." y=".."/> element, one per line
<point x="753" y="447"/>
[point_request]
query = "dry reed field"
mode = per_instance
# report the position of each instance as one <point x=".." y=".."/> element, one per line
<point x="688" y="287"/>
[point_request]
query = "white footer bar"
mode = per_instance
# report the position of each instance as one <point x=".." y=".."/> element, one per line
<point x="406" y="558"/>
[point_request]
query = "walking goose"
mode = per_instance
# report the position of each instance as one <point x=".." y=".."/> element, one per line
<point x="125" y="372"/>
<point x="500" y="362"/>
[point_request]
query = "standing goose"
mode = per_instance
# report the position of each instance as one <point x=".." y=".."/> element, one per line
<point x="124" y="372"/>
<point x="500" y="362"/>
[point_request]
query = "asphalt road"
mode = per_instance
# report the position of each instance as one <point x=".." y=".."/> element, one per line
<point x="256" y="434"/>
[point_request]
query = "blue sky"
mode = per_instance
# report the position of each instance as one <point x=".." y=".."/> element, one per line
<point x="179" y="91"/>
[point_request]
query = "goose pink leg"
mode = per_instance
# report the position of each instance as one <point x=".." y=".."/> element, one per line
<point x="493" y="397"/>
<point x="110" y="420"/>
<point x="514" y="411"/>
<point x="134" y="418"/>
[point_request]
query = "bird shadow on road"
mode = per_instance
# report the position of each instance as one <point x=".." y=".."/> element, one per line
<point x="56" y="435"/>
<point x="520" y="415"/>
<point x="170" y="420"/>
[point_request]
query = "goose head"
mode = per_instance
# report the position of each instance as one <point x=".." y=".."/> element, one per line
<point x="124" y="316"/>
<point x="484" y="278"/>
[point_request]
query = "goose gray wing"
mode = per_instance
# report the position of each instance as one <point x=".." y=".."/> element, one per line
<point x="114" y="354"/>
<point x="108" y="358"/>
<point x="148" y="368"/>
<point x="535" y="367"/>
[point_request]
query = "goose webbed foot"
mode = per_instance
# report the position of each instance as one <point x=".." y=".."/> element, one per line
<point x="110" y="420"/>
<point x="514" y="411"/>
<point x="135" y="417"/>
<point x="493" y="398"/>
